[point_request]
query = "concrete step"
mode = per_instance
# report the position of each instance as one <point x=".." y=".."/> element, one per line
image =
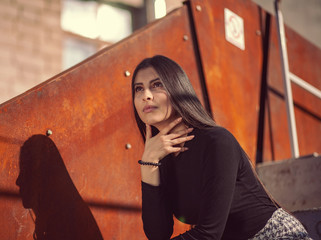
<point x="296" y="185"/>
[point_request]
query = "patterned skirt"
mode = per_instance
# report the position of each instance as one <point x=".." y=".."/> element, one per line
<point x="282" y="226"/>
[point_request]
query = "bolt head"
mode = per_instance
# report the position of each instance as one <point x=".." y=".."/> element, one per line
<point x="198" y="8"/>
<point x="128" y="146"/>
<point x="49" y="132"/>
<point x="127" y="73"/>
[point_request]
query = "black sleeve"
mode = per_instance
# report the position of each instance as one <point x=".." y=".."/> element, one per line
<point x="156" y="213"/>
<point x="220" y="168"/>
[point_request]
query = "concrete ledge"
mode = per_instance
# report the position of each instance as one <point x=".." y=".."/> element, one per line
<point x="295" y="183"/>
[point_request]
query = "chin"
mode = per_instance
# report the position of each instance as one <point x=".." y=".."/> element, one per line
<point x="155" y="120"/>
<point x="152" y="121"/>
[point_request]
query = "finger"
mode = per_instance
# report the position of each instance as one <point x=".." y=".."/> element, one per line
<point x="171" y="125"/>
<point x="179" y="149"/>
<point x="148" y="132"/>
<point x="183" y="149"/>
<point x="176" y="149"/>
<point x="181" y="140"/>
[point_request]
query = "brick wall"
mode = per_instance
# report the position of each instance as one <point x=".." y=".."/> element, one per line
<point x="30" y="44"/>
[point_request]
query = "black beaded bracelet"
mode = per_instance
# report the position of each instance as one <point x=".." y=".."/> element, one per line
<point x="149" y="163"/>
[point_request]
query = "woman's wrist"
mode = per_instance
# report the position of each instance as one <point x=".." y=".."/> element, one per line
<point x="150" y="174"/>
<point x="149" y="157"/>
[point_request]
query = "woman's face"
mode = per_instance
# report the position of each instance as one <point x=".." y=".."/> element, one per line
<point x="151" y="100"/>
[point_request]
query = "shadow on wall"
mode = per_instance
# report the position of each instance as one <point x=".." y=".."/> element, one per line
<point x="47" y="189"/>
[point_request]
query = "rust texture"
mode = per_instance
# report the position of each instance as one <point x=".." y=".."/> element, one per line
<point x="232" y="75"/>
<point x="304" y="59"/>
<point x="89" y="112"/>
<point x="93" y="136"/>
<point x="233" y="80"/>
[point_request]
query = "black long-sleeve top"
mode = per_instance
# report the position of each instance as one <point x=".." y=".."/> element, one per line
<point x="211" y="186"/>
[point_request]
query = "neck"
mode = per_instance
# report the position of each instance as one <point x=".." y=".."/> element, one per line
<point x="162" y="124"/>
<point x="178" y="127"/>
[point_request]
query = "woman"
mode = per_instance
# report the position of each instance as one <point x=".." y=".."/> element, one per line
<point x="194" y="169"/>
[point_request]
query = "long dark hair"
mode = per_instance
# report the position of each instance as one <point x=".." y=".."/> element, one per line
<point x="180" y="92"/>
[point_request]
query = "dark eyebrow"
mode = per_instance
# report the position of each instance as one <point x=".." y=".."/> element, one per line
<point x="151" y="81"/>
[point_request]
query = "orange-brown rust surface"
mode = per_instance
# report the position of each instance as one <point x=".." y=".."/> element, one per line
<point x="89" y="111"/>
<point x="233" y="80"/>
<point x="232" y="75"/>
<point x="303" y="62"/>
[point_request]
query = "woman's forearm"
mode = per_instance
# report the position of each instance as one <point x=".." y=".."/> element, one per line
<point x="150" y="175"/>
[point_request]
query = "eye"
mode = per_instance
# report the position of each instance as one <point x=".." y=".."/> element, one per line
<point x="157" y="85"/>
<point x="138" y="89"/>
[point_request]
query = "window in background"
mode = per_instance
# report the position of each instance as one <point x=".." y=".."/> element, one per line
<point x="113" y="24"/>
<point x="160" y="8"/>
<point x="75" y="50"/>
<point x="90" y="25"/>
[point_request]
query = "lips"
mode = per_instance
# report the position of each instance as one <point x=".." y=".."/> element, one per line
<point x="148" y="108"/>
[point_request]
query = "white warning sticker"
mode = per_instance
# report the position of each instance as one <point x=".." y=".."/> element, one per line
<point x="234" y="29"/>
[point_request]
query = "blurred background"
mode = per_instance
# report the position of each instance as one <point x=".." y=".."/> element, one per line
<point x="41" y="38"/>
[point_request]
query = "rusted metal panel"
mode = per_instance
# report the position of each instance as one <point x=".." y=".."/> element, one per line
<point x="304" y="59"/>
<point x="233" y="79"/>
<point x="89" y="111"/>
<point x="232" y="75"/>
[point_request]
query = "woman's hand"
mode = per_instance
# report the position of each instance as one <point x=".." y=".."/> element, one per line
<point x="164" y="143"/>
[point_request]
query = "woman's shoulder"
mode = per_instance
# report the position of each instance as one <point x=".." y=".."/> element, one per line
<point x="217" y="143"/>
<point x="215" y="136"/>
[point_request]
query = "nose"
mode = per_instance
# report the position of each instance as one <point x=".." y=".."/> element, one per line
<point x="148" y="95"/>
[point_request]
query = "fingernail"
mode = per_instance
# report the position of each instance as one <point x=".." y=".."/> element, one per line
<point x="179" y="119"/>
<point x="190" y="129"/>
